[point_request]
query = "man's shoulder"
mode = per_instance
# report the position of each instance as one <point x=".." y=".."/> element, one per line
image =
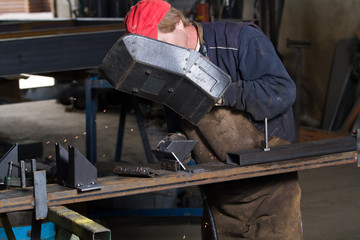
<point x="235" y="28"/>
<point x="224" y="24"/>
<point x="229" y="24"/>
<point x="229" y="33"/>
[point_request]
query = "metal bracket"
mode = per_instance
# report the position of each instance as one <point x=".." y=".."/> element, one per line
<point x="11" y="178"/>
<point x="172" y="153"/>
<point x="21" y="181"/>
<point x="75" y="170"/>
<point x="10" y="156"/>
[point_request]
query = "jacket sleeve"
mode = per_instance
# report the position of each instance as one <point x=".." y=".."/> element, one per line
<point x="264" y="88"/>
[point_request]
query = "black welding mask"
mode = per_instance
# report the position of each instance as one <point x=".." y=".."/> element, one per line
<point x="180" y="78"/>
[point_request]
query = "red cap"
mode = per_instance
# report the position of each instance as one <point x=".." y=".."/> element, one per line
<point x="144" y="17"/>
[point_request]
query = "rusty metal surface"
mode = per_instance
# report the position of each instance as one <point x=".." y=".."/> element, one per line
<point x="128" y="170"/>
<point x="115" y="186"/>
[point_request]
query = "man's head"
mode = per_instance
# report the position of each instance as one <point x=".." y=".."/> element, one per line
<point x="159" y="20"/>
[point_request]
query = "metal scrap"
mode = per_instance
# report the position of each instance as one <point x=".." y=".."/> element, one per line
<point x="126" y="170"/>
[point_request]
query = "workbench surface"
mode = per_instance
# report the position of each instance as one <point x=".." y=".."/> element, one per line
<point x="18" y="199"/>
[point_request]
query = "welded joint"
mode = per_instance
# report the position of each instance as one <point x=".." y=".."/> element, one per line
<point x="78" y="224"/>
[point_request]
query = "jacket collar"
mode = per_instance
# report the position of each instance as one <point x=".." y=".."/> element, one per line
<point x="200" y="31"/>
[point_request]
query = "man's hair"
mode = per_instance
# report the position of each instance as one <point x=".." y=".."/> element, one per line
<point x="171" y="18"/>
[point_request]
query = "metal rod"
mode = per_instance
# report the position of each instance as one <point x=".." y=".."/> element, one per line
<point x="33" y="165"/>
<point x="178" y="161"/>
<point x="10" y="169"/>
<point x="22" y="174"/>
<point x="266" y="133"/>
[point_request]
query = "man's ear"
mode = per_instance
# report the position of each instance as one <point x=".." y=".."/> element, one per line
<point x="180" y="25"/>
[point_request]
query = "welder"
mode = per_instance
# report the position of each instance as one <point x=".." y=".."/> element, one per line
<point x="257" y="208"/>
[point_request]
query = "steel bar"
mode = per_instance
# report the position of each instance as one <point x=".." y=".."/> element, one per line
<point x="115" y="186"/>
<point x="77" y="224"/>
<point x="293" y="151"/>
<point x="40" y="196"/>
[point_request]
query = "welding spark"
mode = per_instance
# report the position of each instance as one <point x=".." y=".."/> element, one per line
<point x="206" y="224"/>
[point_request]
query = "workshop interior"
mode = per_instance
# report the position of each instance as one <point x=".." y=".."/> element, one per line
<point x="84" y="149"/>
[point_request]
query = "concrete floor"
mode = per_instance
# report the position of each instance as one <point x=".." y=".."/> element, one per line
<point x="330" y="196"/>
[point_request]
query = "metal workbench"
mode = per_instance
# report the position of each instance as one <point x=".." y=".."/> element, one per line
<point x="117" y="186"/>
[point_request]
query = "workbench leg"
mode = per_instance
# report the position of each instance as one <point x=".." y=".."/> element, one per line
<point x="63" y="234"/>
<point x="35" y="228"/>
<point x="142" y="129"/>
<point x="120" y="136"/>
<point x="7" y="226"/>
<point x="90" y="121"/>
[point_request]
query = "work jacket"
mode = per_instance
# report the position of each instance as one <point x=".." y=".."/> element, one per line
<point x="260" y="85"/>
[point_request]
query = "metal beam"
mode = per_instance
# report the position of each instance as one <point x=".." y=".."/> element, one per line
<point x="293" y="151"/>
<point x="77" y="224"/>
<point x="55" y="53"/>
<point x="60" y="31"/>
<point x="115" y="186"/>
